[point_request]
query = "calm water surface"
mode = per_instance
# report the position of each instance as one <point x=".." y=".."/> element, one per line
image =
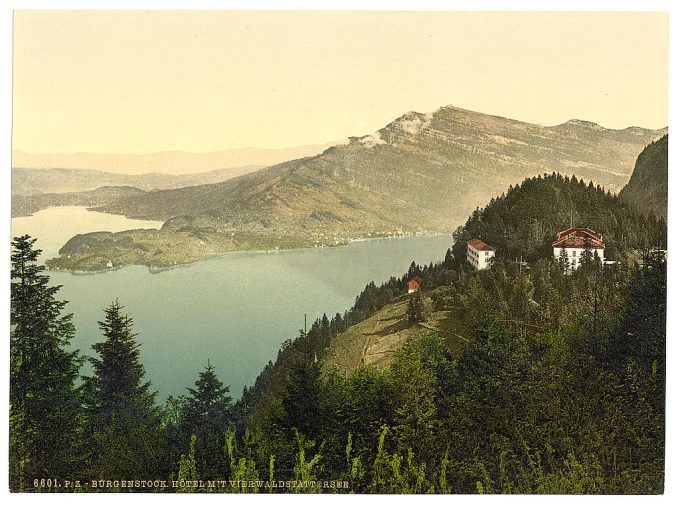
<point x="54" y="226"/>
<point x="234" y="310"/>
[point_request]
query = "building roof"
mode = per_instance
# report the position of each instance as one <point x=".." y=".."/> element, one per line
<point x="478" y="245"/>
<point x="579" y="242"/>
<point x="579" y="232"/>
<point x="413" y="283"/>
<point x="579" y="238"/>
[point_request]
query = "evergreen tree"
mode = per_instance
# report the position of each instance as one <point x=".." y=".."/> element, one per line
<point x="123" y="419"/>
<point x="44" y="408"/>
<point x="416" y="309"/>
<point x="208" y="414"/>
<point x="448" y="259"/>
<point x="422" y="372"/>
<point x="325" y="333"/>
<point x="301" y="402"/>
<point x="175" y="430"/>
<point x="339" y="323"/>
<point x="414" y="270"/>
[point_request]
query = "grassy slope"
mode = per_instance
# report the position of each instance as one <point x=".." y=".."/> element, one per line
<point x="374" y="341"/>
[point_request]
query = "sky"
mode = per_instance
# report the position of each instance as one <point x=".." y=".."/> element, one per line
<point x="133" y="82"/>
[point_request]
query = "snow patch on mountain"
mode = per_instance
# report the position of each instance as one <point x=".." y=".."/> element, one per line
<point x="414" y="123"/>
<point x="371" y="140"/>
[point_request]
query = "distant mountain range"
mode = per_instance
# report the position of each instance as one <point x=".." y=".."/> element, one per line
<point x="34" y="181"/>
<point x="647" y="190"/>
<point x="168" y="163"/>
<point x="420" y="173"/>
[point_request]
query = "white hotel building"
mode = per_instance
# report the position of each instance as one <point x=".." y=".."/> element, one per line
<point x="574" y="241"/>
<point x="479" y="254"/>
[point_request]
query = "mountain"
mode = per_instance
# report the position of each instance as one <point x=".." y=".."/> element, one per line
<point x="420" y="173"/>
<point x="170" y="162"/>
<point x="33" y="181"/>
<point x="647" y="189"/>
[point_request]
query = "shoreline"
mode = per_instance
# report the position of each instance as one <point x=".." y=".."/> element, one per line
<point x="156" y="270"/>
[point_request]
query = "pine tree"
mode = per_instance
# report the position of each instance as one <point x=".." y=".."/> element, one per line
<point x="448" y="259"/>
<point x="414" y="270"/>
<point x="301" y="402"/>
<point x="208" y="414"/>
<point x="44" y="408"/>
<point x="416" y="309"/>
<point x="123" y="418"/>
<point x="339" y="323"/>
<point x="326" y="334"/>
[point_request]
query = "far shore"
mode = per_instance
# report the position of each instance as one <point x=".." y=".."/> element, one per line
<point x="158" y="269"/>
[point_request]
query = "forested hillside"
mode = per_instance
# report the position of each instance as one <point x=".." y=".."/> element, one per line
<point x="534" y="381"/>
<point x="497" y="397"/>
<point x="647" y="189"/>
<point x="524" y="221"/>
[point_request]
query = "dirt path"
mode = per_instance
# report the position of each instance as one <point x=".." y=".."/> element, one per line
<point x="367" y="343"/>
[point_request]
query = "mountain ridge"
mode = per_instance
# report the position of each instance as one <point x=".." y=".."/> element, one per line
<point x="399" y="134"/>
<point x="169" y="162"/>
<point x="647" y="189"/>
<point x="421" y="173"/>
<point x="37" y="181"/>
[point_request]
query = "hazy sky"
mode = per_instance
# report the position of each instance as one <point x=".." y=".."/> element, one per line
<point x="137" y="82"/>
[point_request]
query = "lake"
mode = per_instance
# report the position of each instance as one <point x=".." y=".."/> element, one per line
<point x="55" y="225"/>
<point x="234" y="310"/>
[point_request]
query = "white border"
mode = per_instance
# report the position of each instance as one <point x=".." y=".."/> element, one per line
<point x="332" y="501"/>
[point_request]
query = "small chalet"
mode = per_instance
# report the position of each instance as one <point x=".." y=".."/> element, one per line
<point x="479" y="254"/>
<point x="413" y="284"/>
<point x="574" y="241"/>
